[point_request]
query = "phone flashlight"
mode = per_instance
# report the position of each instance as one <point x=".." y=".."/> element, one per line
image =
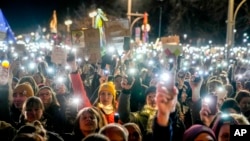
<point x="75" y="101"/>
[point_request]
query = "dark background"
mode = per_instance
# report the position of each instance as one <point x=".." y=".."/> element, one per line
<point x="201" y="20"/>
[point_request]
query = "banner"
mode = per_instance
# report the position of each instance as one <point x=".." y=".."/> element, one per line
<point x="78" y="38"/>
<point x="58" y="55"/>
<point x="92" y="50"/>
<point x="170" y="45"/>
<point x="116" y="31"/>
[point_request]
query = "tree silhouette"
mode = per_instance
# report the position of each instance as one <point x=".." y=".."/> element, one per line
<point x="199" y="19"/>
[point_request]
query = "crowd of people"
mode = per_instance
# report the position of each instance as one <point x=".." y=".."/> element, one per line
<point x="126" y="99"/>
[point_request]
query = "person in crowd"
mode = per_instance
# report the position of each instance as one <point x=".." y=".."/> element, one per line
<point x="7" y="131"/>
<point x="14" y="82"/>
<point x="28" y="137"/>
<point x="230" y="105"/>
<point x="247" y="85"/>
<point x="216" y="87"/>
<point x="117" y="82"/>
<point x="106" y="101"/>
<point x="240" y="118"/>
<point x="143" y="117"/>
<point x="77" y="85"/>
<point x="221" y="126"/>
<point x="230" y="90"/>
<point x="33" y="109"/>
<point x="39" y="79"/>
<point x="29" y="79"/>
<point x="37" y="128"/>
<point x="243" y="98"/>
<point x="5" y="94"/>
<point x="199" y="132"/>
<point x="20" y="94"/>
<point x="96" y="137"/>
<point x="89" y="120"/>
<point x="115" y="132"/>
<point x="166" y="126"/>
<point x="64" y="98"/>
<point x="52" y="109"/>
<point x="134" y="132"/>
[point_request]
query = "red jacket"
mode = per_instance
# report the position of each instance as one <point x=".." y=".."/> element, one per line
<point x="79" y="90"/>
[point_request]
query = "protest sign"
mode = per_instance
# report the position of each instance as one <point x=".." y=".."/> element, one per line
<point x="92" y="50"/>
<point x="58" y="55"/>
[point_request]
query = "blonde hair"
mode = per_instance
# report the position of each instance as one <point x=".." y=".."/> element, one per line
<point x="241" y="119"/>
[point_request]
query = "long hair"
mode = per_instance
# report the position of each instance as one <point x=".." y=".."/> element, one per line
<point x="101" y="121"/>
<point x="53" y="94"/>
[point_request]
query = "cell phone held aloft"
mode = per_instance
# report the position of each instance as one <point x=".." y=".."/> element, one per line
<point x="211" y="101"/>
<point x="70" y="57"/>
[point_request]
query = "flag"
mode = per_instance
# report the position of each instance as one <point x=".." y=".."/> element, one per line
<point x="99" y="22"/>
<point x="6" y="33"/>
<point x="53" y="23"/>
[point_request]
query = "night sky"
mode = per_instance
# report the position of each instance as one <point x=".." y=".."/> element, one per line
<point x="24" y="16"/>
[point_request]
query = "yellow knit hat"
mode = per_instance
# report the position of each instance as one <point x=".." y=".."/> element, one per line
<point x="108" y="86"/>
<point x="25" y="89"/>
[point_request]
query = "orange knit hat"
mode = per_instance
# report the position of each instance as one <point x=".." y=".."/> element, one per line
<point x="25" y="89"/>
<point x="108" y="86"/>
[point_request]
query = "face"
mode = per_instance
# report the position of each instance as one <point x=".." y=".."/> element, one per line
<point x="245" y="104"/>
<point x="33" y="113"/>
<point x="46" y="96"/>
<point x="151" y="99"/>
<point x="106" y="98"/>
<point x="133" y="134"/>
<point x="18" y="99"/>
<point x="224" y="133"/>
<point x="204" y="137"/>
<point x="88" y="122"/>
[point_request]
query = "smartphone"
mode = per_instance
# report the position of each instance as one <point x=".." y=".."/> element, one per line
<point x="211" y="101"/>
<point x="70" y="57"/>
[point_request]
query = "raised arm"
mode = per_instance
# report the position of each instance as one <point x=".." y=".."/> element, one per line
<point x="77" y="84"/>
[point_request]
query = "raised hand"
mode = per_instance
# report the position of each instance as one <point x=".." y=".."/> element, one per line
<point x="125" y="85"/>
<point x="4" y="75"/>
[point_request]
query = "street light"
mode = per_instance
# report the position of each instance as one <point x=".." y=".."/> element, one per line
<point x="92" y="16"/>
<point x="68" y="22"/>
<point x="160" y="18"/>
<point x="231" y="23"/>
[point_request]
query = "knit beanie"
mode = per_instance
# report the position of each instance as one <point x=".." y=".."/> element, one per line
<point x="24" y="88"/>
<point x="108" y="86"/>
<point x="195" y="130"/>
